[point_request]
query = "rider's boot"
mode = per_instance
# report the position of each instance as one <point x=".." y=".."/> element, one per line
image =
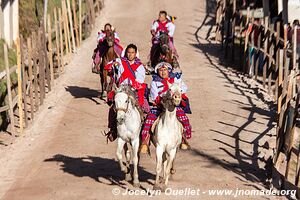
<point x="184" y="145"/>
<point x="104" y="94"/>
<point x="144" y="149"/>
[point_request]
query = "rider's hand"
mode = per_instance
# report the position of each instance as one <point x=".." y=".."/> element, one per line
<point x="116" y="64"/>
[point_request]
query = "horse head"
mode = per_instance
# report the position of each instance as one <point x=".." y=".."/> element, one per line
<point x="124" y="100"/>
<point x="110" y="38"/>
<point x="164" y="42"/>
<point x="172" y="97"/>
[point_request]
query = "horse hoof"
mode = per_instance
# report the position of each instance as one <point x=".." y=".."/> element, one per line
<point x="136" y="184"/>
<point x="128" y="177"/>
<point x="173" y="171"/>
<point x="104" y="94"/>
<point x="156" y="187"/>
<point x="163" y="188"/>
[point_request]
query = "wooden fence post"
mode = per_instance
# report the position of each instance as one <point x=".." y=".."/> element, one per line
<point x="61" y="69"/>
<point x="258" y="55"/>
<point x="41" y="65"/>
<point x="35" y="47"/>
<point x="270" y="65"/>
<point x="57" y="39"/>
<point x="80" y="23"/>
<point x="233" y="30"/>
<point x="19" y="86"/>
<point x="251" y="53"/>
<point x="24" y="81"/>
<point x="8" y="85"/>
<point x="277" y="55"/>
<point x="46" y="72"/>
<point x="50" y="54"/>
<point x="75" y="22"/>
<point x="71" y="24"/>
<point x="30" y="77"/>
<point x="66" y="28"/>
<point x="266" y="50"/>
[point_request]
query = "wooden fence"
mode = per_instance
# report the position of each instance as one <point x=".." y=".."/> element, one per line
<point x="268" y="53"/>
<point x="41" y="58"/>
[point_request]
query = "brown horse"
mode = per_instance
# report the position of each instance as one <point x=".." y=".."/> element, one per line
<point x="108" y="56"/>
<point x="162" y="52"/>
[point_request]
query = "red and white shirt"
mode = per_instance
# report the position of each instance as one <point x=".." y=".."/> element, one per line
<point x="133" y="74"/>
<point x="102" y="35"/>
<point x="167" y="27"/>
<point x="159" y="86"/>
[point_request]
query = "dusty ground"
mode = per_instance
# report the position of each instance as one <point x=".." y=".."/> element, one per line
<point x="64" y="156"/>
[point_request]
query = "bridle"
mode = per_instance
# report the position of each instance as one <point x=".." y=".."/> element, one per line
<point x="123" y="109"/>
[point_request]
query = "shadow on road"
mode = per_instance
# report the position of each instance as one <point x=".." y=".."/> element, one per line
<point x="97" y="168"/>
<point x="248" y="166"/>
<point x="83" y="92"/>
<point x="1" y="143"/>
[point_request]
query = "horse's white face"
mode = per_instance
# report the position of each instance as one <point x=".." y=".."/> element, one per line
<point x="121" y="106"/>
<point x="175" y="93"/>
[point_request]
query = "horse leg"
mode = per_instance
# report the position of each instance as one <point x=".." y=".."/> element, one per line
<point x="120" y="146"/>
<point x="159" y="154"/>
<point x="101" y="78"/>
<point x="104" y="86"/>
<point x="135" y="147"/>
<point x="173" y="170"/>
<point x="128" y="176"/>
<point x="165" y="165"/>
<point x="170" y="163"/>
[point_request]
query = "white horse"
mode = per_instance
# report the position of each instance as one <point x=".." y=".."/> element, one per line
<point x="129" y="122"/>
<point x="167" y="134"/>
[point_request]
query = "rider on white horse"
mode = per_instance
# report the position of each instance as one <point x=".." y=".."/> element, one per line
<point x="159" y="86"/>
<point x="127" y="70"/>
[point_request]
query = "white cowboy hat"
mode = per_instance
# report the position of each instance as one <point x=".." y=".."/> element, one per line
<point x="163" y="64"/>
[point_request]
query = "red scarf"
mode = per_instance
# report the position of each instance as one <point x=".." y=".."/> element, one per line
<point x="165" y="82"/>
<point x="129" y="70"/>
<point x="162" y="26"/>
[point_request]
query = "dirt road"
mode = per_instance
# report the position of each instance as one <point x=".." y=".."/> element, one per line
<point x="64" y="156"/>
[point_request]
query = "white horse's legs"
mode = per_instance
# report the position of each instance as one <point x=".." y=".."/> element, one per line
<point x="119" y="155"/>
<point x="128" y="176"/>
<point x="165" y="162"/>
<point x="170" y="164"/>
<point x="135" y="147"/>
<point x="159" y="154"/>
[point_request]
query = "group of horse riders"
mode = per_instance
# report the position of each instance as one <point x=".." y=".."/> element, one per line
<point x="127" y="69"/>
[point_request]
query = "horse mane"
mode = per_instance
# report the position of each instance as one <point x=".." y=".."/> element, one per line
<point x="132" y="95"/>
<point x="166" y="100"/>
<point x="164" y="38"/>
